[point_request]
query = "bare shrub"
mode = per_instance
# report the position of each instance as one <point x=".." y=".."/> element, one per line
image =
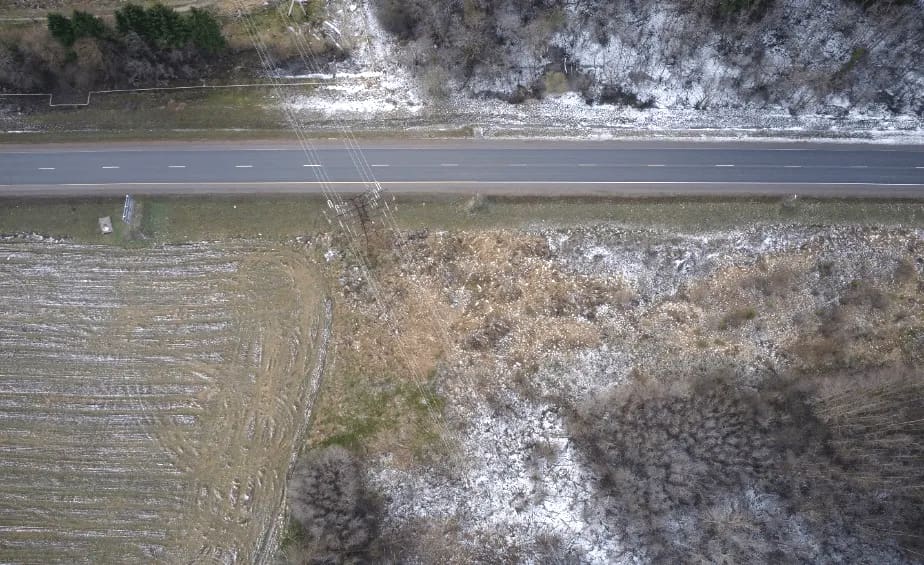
<point x="737" y="317"/>
<point x="822" y="352"/>
<point x="328" y="498"/>
<point x="905" y="271"/>
<point x="777" y="281"/>
<point x="682" y="471"/>
<point x="476" y="204"/>
<point x="863" y="294"/>
<point x="556" y="83"/>
<point x="400" y="17"/>
<point x="436" y="82"/>
<point x="494" y="329"/>
<point x="665" y="454"/>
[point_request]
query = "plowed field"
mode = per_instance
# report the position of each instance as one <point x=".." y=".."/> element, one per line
<point x="151" y="400"/>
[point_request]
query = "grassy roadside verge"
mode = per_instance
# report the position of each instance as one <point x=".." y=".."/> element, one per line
<point x="155" y="115"/>
<point x="226" y="134"/>
<point x="180" y="219"/>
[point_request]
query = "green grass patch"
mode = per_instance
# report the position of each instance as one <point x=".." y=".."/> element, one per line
<point x="73" y="219"/>
<point x="179" y="219"/>
<point x="693" y="214"/>
<point x="152" y="112"/>
<point x="377" y="405"/>
<point x="292" y="536"/>
<point x="370" y="403"/>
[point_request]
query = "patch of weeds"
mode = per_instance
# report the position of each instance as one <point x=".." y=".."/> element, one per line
<point x="555" y="82"/>
<point x="789" y="206"/>
<point x="856" y="56"/>
<point x="364" y="411"/>
<point x="737" y="317"/>
<point x="358" y="430"/>
<point x="863" y="294"/>
<point x="476" y="204"/>
<point x="292" y="536"/>
<point x="155" y="218"/>
<point x="619" y="96"/>
<point x="905" y="271"/>
<point x="911" y="342"/>
<point x="775" y="281"/>
<point x="825" y="268"/>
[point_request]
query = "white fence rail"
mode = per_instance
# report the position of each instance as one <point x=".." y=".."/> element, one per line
<point x="52" y="104"/>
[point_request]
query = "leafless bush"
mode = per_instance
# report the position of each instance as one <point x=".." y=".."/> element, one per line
<point x="683" y="471"/>
<point x="328" y="498"/>
<point x="775" y="281"/>
<point x="737" y="317"/>
<point x="495" y="328"/>
<point x="905" y="271"/>
<point x="476" y="204"/>
<point x="666" y="455"/>
<point x="864" y="294"/>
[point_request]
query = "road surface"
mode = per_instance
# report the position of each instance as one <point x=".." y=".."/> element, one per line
<point x="512" y="167"/>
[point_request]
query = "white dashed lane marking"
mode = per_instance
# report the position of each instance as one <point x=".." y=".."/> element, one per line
<point x="724" y="165"/>
<point x="176" y="166"/>
<point x="449" y="164"/>
<point x="243" y="166"/>
<point x="380" y="165"/>
<point x="46" y="168"/>
<point x="311" y="165"/>
<point x="110" y="167"/>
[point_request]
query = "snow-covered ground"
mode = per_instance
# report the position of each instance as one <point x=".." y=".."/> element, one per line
<point x="524" y="481"/>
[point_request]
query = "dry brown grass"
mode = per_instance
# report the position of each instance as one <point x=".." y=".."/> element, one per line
<point x="509" y="276"/>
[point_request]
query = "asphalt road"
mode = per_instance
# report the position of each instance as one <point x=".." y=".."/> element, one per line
<point x="527" y="167"/>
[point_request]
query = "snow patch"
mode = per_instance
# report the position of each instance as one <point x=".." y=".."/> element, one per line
<point x="523" y="480"/>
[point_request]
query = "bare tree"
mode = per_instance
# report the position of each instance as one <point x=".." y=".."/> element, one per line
<point x="329" y="499"/>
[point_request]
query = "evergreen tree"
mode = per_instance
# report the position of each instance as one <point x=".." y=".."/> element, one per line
<point x="61" y="28"/>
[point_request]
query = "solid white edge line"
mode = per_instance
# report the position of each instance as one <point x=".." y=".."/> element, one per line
<point x="463" y="182"/>
<point x="748" y="145"/>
